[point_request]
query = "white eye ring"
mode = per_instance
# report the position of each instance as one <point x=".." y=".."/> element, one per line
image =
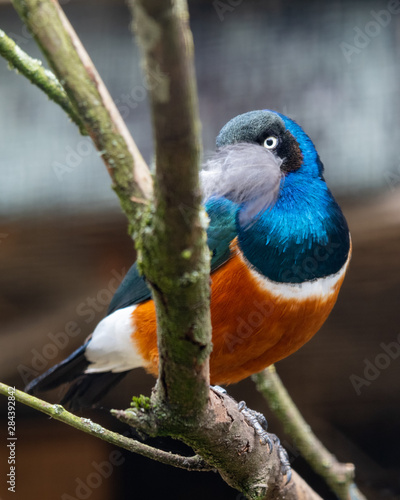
<point x="271" y="142"/>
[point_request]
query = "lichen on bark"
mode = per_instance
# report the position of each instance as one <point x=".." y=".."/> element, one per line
<point x="180" y="284"/>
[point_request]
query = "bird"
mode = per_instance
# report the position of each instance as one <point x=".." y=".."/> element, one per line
<point x="280" y="248"/>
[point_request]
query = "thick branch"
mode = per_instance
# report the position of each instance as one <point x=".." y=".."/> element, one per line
<point x="174" y="254"/>
<point x="57" y="412"/>
<point x="337" y="475"/>
<point x="83" y="85"/>
<point x="39" y="76"/>
<point x="176" y="263"/>
<point x="227" y="442"/>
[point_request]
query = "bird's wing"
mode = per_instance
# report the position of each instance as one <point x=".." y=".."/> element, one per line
<point x="221" y="231"/>
<point x="132" y="290"/>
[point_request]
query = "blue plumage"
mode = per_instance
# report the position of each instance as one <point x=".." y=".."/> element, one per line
<point x="303" y="235"/>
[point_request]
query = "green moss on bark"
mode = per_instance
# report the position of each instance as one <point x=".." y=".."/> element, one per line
<point x="35" y="72"/>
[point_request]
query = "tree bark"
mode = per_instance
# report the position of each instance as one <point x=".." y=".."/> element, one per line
<point x="173" y="251"/>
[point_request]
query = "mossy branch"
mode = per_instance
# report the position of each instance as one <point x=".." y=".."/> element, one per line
<point x="228" y="443"/>
<point x="175" y="259"/>
<point x="39" y="76"/>
<point x="173" y="251"/>
<point x="86" y="425"/>
<point x="84" y="87"/>
<point x="296" y="490"/>
<point x="337" y="475"/>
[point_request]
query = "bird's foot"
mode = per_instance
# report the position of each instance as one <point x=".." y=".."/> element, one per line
<point x="260" y="425"/>
<point x="286" y="470"/>
<point x="218" y="389"/>
<point x="252" y="417"/>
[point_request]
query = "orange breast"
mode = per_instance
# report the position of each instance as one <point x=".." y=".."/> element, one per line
<point x="252" y="327"/>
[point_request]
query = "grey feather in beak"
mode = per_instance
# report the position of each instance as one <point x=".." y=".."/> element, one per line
<point x="247" y="174"/>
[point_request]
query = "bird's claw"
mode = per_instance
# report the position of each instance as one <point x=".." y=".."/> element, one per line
<point x="260" y="426"/>
<point x="286" y="469"/>
<point x="254" y="418"/>
<point x="218" y="389"/>
<point x="258" y="422"/>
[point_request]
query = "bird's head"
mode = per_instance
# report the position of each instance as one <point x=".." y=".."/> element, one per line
<point x="258" y="154"/>
<point x="265" y="184"/>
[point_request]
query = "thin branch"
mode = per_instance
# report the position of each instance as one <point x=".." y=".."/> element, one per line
<point x="58" y="412"/>
<point x="83" y="85"/>
<point x="39" y="76"/>
<point x="175" y="257"/>
<point x="337" y="475"/>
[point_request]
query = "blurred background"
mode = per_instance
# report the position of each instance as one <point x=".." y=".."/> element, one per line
<point x="334" y="67"/>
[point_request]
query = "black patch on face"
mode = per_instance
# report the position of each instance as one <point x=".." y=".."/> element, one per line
<point x="289" y="150"/>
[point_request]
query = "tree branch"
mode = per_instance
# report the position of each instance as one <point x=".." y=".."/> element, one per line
<point x="175" y="260"/>
<point x="174" y="254"/>
<point x="337" y="475"/>
<point x="83" y="85"/>
<point x="227" y="442"/>
<point x="86" y="425"/>
<point x="39" y="76"/>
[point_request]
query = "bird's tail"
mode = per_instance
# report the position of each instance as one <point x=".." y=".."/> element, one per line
<point x="68" y="370"/>
<point x="87" y="388"/>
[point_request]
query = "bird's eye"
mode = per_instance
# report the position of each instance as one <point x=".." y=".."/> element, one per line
<point x="271" y="142"/>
